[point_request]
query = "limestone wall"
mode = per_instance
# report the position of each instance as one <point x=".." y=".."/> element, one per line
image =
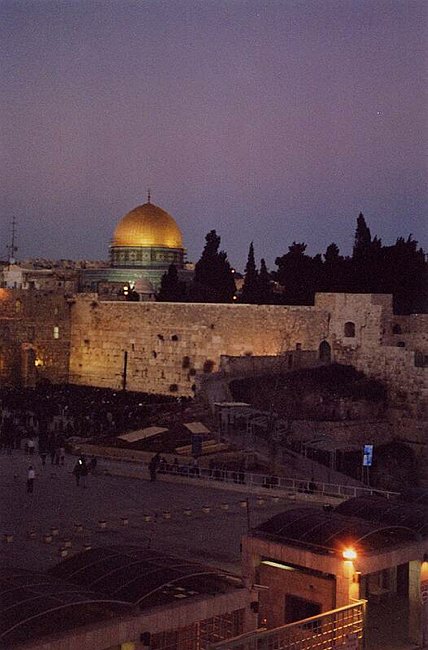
<point x="34" y="336"/>
<point x="168" y="344"/>
<point x="370" y="315"/>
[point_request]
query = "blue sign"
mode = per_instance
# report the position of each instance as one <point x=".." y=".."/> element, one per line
<point x="367" y="455"/>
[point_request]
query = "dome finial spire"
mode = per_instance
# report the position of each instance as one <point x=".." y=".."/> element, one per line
<point x="148" y="195"/>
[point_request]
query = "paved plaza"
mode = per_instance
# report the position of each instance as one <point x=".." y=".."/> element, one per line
<point x="204" y="523"/>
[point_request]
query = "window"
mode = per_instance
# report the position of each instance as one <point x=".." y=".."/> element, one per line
<point x="297" y="608"/>
<point x="421" y="360"/>
<point x="349" y="329"/>
<point x="18" y="306"/>
<point x="56" y="332"/>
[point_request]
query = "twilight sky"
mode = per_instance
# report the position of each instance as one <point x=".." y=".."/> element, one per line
<point x="268" y="120"/>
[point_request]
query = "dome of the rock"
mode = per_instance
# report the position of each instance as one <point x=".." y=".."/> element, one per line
<point x="147" y="226"/>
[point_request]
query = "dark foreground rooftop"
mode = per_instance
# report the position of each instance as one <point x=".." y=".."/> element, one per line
<point x="99" y="584"/>
<point x="34" y="604"/>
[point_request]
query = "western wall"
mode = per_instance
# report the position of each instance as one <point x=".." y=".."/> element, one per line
<point x="165" y="347"/>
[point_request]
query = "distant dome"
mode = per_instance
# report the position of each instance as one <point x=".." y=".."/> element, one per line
<point x="147" y="225"/>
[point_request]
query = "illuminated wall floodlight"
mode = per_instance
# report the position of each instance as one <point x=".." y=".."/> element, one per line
<point x="349" y="554"/>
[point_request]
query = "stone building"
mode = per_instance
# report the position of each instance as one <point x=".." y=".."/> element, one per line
<point x="34" y="336"/>
<point x="309" y="562"/>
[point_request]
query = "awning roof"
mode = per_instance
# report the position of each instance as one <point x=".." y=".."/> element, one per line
<point x="141" y="576"/>
<point x="388" y="511"/>
<point x="196" y="427"/>
<point x="141" y="434"/>
<point x="34" y="604"/>
<point x="327" y="532"/>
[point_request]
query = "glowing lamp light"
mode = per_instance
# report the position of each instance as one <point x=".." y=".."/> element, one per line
<point x="349" y="554"/>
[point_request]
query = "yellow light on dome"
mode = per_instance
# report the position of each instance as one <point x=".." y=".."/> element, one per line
<point x="349" y="553"/>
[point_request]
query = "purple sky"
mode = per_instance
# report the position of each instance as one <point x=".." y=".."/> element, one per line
<point x="268" y="120"/>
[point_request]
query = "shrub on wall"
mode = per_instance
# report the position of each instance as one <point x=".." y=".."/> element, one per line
<point x="186" y="362"/>
<point x="208" y="366"/>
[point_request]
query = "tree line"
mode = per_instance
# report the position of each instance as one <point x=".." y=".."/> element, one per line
<point x="400" y="270"/>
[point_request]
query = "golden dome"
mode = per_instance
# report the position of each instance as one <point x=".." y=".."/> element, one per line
<point x="147" y="225"/>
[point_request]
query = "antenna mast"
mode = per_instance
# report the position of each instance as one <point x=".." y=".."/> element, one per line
<point x="12" y="248"/>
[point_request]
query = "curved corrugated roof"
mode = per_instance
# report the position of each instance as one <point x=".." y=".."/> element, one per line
<point x="139" y="575"/>
<point x="34" y="604"/>
<point x="388" y="511"/>
<point x="331" y="532"/>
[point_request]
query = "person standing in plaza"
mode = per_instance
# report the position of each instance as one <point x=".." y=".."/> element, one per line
<point x="153" y="466"/>
<point x="31" y="475"/>
<point x="31" y="445"/>
<point x="83" y="472"/>
<point x="77" y="471"/>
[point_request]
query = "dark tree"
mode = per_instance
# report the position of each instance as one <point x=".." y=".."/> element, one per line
<point x="250" y="289"/>
<point x="171" y="290"/>
<point x="265" y="284"/>
<point x="406" y="276"/>
<point x="213" y="280"/>
<point x="336" y="271"/>
<point x="367" y="267"/>
<point x="363" y="239"/>
<point x="299" y="275"/>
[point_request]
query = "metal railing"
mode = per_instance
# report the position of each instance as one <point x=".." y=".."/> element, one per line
<point x="281" y="484"/>
<point x="339" y="628"/>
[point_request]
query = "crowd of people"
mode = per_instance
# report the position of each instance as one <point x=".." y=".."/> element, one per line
<point x="54" y="413"/>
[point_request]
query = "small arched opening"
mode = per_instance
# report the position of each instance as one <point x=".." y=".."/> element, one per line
<point x="324" y="352"/>
<point x="349" y="329"/>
